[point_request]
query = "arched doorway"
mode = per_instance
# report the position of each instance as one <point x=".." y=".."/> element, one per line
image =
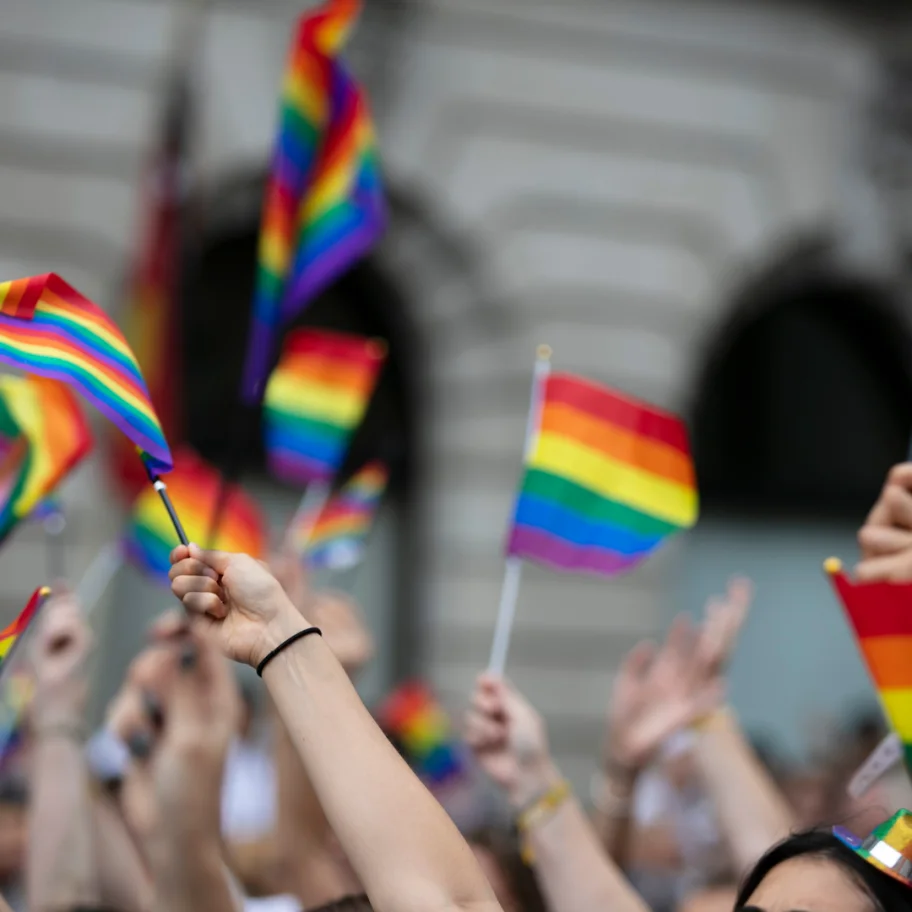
<point x="803" y="403"/>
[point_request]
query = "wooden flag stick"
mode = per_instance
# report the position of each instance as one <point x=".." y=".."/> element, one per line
<point x="509" y="593"/>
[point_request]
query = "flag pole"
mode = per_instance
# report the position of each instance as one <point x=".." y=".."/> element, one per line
<point x="162" y="489"/>
<point x="509" y="592"/>
<point x="312" y="503"/>
<point x="54" y="525"/>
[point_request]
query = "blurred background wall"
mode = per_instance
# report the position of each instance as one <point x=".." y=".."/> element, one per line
<point x="700" y="203"/>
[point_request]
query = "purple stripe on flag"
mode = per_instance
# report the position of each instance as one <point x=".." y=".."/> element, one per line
<point x="539" y="546"/>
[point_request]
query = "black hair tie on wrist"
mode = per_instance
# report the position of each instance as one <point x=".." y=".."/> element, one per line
<point x="285" y="644"/>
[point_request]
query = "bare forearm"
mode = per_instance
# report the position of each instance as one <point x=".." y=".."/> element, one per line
<point x="573" y="871"/>
<point x="60" y="872"/>
<point x="752" y="811"/>
<point x="403" y="846"/>
<point x="192" y="878"/>
<point x="123" y="880"/>
<point x="611" y="819"/>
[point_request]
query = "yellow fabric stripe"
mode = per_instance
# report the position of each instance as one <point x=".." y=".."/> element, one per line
<point x="332" y="405"/>
<point x="615" y="480"/>
<point x="898" y="708"/>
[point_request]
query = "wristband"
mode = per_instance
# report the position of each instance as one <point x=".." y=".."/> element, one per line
<point x="541" y="809"/>
<point x="285" y="644"/>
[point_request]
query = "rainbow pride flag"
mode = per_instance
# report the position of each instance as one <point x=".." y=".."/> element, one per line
<point x="49" y="329"/>
<point x="58" y="434"/>
<point x="421" y="730"/>
<point x="880" y="615"/>
<point x="324" y="207"/>
<point x="608" y="478"/>
<point x="194" y="486"/>
<point x="337" y="538"/>
<point x="10" y="634"/>
<point x="315" y="400"/>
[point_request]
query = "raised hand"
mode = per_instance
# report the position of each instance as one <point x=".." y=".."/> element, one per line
<point x="659" y="691"/>
<point x="509" y="739"/>
<point x="238" y="600"/>
<point x="59" y="655"/>
<point x="886" y="537"/>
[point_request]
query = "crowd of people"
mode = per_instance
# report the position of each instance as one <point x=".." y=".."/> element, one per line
<point x="685" y="813"/>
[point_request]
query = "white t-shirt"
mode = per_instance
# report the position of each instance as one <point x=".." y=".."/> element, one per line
<point x="248" y="792"/>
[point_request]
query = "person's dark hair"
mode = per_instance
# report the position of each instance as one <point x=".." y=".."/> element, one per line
<point x="887" y="894"/>
<point x="503" y="845"/>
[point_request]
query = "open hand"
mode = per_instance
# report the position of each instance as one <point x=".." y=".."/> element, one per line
<point x="659" y="691"/>
<point x="237" y="600"/>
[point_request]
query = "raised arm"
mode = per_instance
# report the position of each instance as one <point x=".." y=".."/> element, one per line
<point x="404" y="848"/>
<point x="752" y="812"/>
<point x="510" y="742"/>
<point x="61" y="873"/>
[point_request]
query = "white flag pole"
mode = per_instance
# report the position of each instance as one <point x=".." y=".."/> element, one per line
<point x="98" y="576"/>
<point x="509" y="593"/>
<point x="309" y="509"/>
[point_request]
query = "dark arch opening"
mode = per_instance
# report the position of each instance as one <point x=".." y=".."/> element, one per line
<point x="805" y="399"/>
<point x="218" y="288"/>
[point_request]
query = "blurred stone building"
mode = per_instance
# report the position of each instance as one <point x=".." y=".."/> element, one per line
<point x="631" y="182"/>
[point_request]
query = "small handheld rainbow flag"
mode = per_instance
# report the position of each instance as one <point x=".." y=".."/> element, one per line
<point x="880" y="615"/>
<point x="607" y="479"/>
<point x="315" y="400"/>
<point x="11" y="634"/>
<point x="58" y="434"/>
<point x="419" y="727"/>
<point x="337" y="538"/>
<point x="194" y="486"/>
<point x="49" y="329"/>
<point x="324" y="206"/>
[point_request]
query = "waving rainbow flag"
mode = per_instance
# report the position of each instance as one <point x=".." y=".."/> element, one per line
<point x="194" y="486"/>
<point x="324" y="206"/>
<point x="880" y="615"/>
<point x="49" y="329"/>
<point x="337" y="538"/>
<point x="59" y="436"/>
<point x="15" y="461"/>
<point x="315" y="400"/>
<point x="608" y="478"/>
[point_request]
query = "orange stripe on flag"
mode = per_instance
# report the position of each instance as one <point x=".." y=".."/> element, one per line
<point x="889" y="659"/>
<point x="641" y="452"/>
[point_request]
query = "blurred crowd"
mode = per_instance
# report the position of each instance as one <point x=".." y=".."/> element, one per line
<point x="208" y="789"/>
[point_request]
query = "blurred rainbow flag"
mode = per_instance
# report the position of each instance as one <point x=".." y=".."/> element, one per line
<point x="58" y="434"/>
<point x="324" y="207"/>
<point x="421" y="729"/>
<point x="315" y="400"/>
<point x="607" y="479"/>
<point x="194" y="486"/>
<point x="50" y="437"/>
<point x="10" y="634"/>
<point x="337" y="538"/>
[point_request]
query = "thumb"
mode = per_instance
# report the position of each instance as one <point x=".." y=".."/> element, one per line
<point x="217" y="560"/>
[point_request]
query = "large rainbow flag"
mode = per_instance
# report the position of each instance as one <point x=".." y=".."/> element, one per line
<point x="420" y="728"/>
<point x="59" y="436"/>
<point x="49" y="329"/>
<point x="337" y="538"/>
<point x="315" y="400"/>
<point x="194" y="486"/>
<point x="324" y="206"/>
<point x="880" y="615"/>
<point x="607" y="479"/>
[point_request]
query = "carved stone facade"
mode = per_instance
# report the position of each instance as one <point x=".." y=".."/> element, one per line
<point x="597" y="175"/>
